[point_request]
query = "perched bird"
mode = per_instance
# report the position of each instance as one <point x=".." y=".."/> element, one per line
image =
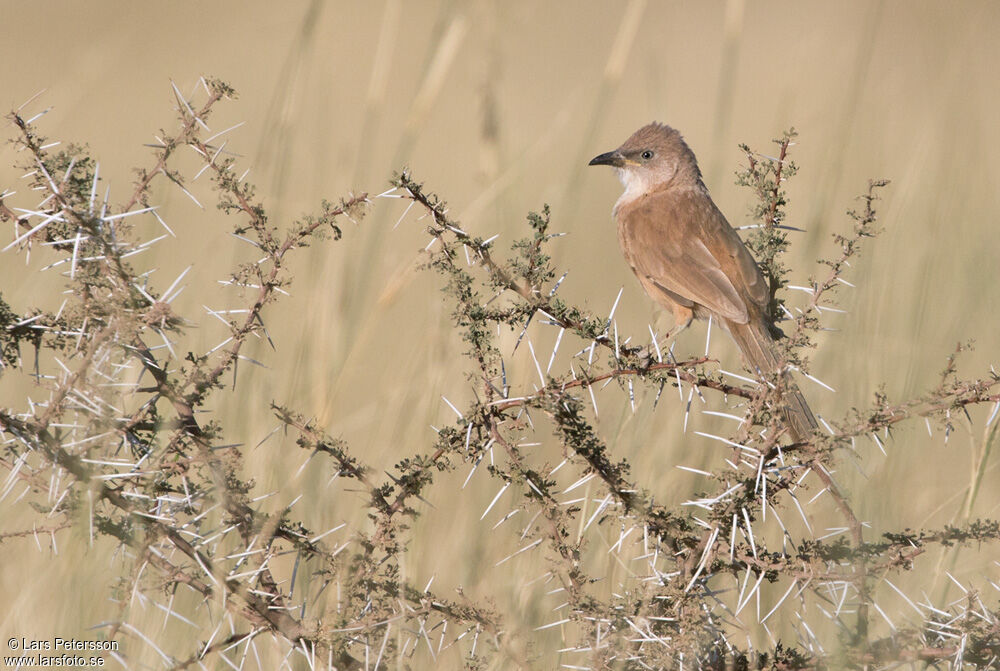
<point x="690" y="260"/>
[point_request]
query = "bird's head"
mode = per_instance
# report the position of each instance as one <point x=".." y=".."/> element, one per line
<point x="654" y="157"/>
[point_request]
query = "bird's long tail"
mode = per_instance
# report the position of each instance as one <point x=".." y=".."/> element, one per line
<point x="760" y="352"/>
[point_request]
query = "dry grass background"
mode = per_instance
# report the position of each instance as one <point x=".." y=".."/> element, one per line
<point x="498" y="106"/>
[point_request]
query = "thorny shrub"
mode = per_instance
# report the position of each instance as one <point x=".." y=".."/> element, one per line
<point x="125" y="446"/>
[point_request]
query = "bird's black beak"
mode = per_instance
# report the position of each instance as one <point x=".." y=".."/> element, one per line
<point x="612" y="158"/>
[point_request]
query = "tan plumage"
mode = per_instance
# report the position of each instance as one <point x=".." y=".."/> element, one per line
<point x="689" y="259"/>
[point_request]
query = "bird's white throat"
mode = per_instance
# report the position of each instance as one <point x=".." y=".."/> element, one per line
<point x="636" y="184"/>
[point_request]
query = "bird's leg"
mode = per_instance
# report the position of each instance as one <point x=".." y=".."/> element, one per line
<point x="683" y="318"/>
<point x="675" y="331"/>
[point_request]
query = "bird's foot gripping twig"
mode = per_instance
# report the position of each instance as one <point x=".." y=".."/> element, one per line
<point x="661" y="349"/>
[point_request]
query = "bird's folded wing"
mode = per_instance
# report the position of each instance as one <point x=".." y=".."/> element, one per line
<point x="666" y="235"/>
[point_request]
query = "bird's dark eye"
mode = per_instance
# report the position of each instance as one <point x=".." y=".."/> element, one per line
<point x="646" y="155"/>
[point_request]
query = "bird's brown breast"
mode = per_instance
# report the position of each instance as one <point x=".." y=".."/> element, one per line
<point x="684" y="251"/>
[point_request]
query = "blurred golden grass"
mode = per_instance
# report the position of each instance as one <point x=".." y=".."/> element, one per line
<point x="497" y="106"/>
